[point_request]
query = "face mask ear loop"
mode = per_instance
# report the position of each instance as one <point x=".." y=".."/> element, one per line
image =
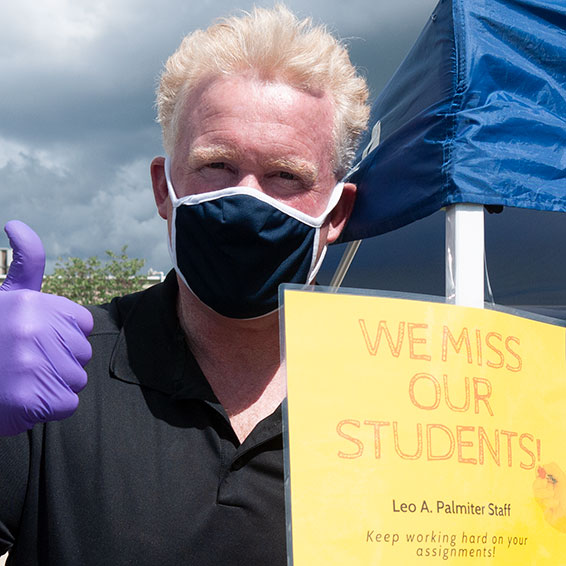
<point x="318" y="265"/>
<point x="315" y="265"/>
<point x="171" y="238"/>
<point x="170" y="189"/>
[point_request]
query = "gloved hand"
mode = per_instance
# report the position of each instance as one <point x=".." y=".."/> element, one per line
<point x="43" y="341"/>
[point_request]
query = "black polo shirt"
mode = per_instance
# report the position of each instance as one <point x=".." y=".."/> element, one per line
<point x="148" y="471"/>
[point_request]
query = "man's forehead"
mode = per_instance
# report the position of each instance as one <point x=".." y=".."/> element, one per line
<point x="219" y="94"/>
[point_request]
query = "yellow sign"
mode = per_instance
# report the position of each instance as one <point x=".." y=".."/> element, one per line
<point x="421" y="433"/>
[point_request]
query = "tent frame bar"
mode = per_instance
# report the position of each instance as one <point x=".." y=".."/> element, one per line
<point x="464" y="256"/>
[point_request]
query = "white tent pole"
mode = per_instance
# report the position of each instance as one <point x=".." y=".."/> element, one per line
<point x="465" y="255"/>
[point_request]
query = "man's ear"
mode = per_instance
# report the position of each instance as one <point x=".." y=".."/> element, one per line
<point x="341" y="212"/>
<point x="159" y="183"/>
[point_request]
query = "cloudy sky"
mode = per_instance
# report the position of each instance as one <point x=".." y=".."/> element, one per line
<point x="77" y="128"/>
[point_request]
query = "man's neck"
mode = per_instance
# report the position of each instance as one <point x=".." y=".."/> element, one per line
<point x="240" y="359"/>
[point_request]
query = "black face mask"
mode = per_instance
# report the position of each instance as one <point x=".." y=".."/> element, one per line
<point x="233" y="247"/>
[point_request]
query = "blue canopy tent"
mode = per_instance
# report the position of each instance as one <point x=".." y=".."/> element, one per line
<point x="476" y="113"/>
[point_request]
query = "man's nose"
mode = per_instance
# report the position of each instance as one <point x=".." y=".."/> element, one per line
<point x="251" y="180"/>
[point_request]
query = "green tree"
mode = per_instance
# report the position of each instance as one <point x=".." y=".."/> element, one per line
<point x="90" y="281"/>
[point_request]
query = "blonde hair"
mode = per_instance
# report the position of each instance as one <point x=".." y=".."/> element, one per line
<point x="275" y="45"/>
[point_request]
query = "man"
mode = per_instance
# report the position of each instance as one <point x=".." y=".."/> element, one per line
<point x="174" y="455"/>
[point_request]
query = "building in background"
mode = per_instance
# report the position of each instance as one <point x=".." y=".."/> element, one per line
<point x="5" y="261"/>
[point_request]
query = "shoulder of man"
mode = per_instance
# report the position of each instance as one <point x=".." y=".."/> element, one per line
<point x="109" y="317"/>
<point x="154" y="301"/>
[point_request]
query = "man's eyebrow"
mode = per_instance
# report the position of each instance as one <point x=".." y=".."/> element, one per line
<point x="199" y="155"/>
<point x="306" y="170"/>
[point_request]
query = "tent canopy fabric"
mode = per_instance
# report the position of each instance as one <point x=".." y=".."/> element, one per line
<point x="476" y="113"/>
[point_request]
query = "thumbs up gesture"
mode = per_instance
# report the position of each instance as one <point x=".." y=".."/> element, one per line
<point x="43" y="341"/>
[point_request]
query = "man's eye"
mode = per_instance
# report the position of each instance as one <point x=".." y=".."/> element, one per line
<point x="287" y="175"/>
<point x="217" y="165"/>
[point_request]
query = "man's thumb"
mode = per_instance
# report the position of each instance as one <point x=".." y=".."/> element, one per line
<point x="28" y="263"/>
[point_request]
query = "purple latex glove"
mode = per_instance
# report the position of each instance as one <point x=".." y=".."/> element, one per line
<point x="43" y="341"/>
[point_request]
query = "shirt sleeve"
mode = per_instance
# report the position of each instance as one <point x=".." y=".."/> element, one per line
<point x="14" y="470"/>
